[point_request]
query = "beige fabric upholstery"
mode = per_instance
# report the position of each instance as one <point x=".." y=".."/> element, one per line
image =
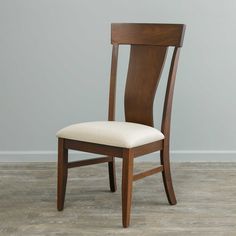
<point x="112" y="133"/>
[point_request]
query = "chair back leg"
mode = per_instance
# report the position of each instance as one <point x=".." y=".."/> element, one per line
<point x="112" y="175"/>
<point x="166" y="175"/>
<point x="62" y="174"/>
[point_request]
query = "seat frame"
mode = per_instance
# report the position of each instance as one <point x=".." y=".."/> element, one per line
<point x="153" y="36"/>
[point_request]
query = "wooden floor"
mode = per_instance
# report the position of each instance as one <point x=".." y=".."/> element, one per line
<point x="206" y="194"/>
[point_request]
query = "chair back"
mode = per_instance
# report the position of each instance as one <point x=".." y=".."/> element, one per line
<point x="149" y="44"/>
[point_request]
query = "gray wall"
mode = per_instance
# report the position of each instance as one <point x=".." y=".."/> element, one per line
<point x="55" y="63"/>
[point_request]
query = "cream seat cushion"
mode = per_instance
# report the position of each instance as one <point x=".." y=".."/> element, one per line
<point x="112" y="133"/>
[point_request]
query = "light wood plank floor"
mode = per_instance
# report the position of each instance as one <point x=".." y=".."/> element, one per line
<point x="206" y="194"/>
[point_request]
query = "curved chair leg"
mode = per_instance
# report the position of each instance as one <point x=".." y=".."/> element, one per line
<point x="62" y="174"/>
<point x="127" y="183"/>
<point x="166" y="175"/>
<point x="112" y="175"/>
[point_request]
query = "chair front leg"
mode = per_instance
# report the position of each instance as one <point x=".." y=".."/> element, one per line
<point x="62" y="174"/>
<point x="112" y="175"/>
<point x="127" y="184"/>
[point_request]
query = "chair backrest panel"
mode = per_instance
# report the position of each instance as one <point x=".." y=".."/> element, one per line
<point x="147" y="34"/>
<point x="149" y="44"/>
<point x="144" y="72"/>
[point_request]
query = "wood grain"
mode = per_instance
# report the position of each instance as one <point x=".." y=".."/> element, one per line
<point x="145" y="67"/>
<point x="127" y="183"/>
<point x="147" y="173"/>
<point x="148" y="148"/>
<point x="93" y="148"/>
<point x="87" y="162"/>
<point x="111" y="112"/>
<point x="62" y="173"/>
<point x="112" y="91"/>
<point x="148" y="34"/>
<point x="166" y="121"/>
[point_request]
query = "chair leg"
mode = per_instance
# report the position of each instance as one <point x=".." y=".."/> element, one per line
<point x="62" y="174"/>
<point x="112" y="175"/>
<point x="166" y="175"/>
<point x="127" y="183"/>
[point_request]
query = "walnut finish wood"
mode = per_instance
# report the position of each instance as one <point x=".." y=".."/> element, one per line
<point x="166" y="117"/>
<point x="148" y="148"/>
<point x="145" y="67"/>
<point x="149" y="44"/>
<point x="148" y="34"/>
<point x="166" y="175"/>
<point x="93" y="148"/>
<point x="87" y="162"/>
<point x="166" y="121"/>
<point x="112" y="92"/>
<point x="127" y="183"/>
<point x="112" y="175"/>
<point x="62" y="173"/>
<point x="111" y="112"/>
<point x="147" y="173"/>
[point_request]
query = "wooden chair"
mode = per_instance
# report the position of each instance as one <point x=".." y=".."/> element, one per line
<point x="136" y="136"/>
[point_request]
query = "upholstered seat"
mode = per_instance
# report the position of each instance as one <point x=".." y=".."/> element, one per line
<point x="112" y="133"/>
